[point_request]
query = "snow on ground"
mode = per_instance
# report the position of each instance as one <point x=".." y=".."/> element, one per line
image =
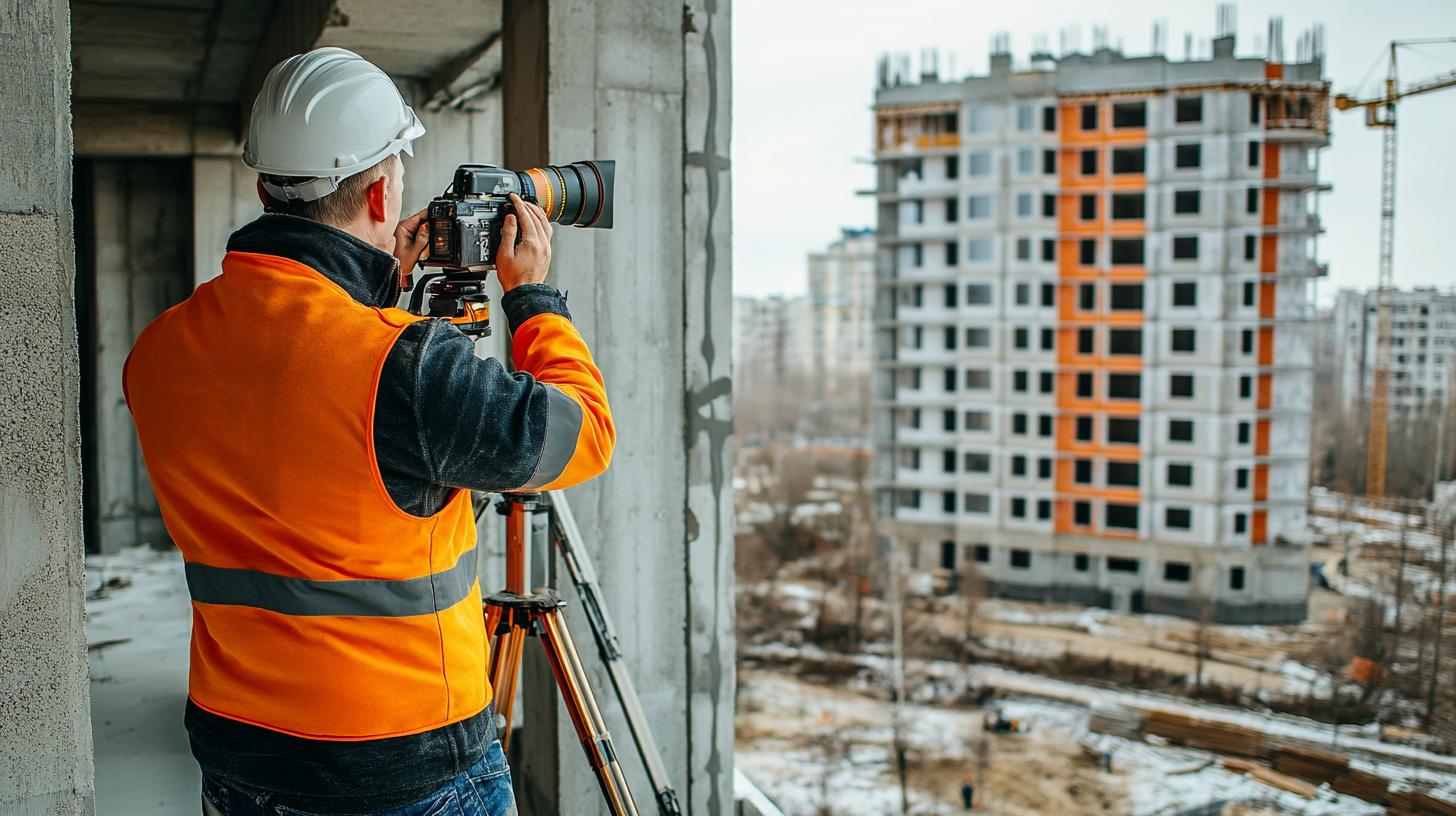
<point x="841" y="762"/>
<point x="943" y="680"/>
<point x="833" y="750"/>
<point x="138" y="630"/>
<point x="1091" y="620"/>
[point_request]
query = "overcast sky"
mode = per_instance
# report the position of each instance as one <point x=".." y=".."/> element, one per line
<point x="803" y="81"/>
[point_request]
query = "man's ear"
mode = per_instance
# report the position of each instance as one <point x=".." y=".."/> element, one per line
<point x="263" y="195"/>
<point x="376" y="193"/>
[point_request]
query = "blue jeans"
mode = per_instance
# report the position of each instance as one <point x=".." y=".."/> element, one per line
<point x="482" y="790"/>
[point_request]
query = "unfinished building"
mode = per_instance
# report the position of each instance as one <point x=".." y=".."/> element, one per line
<point x="156" y="95"/>
<point x="1094" y="348"/>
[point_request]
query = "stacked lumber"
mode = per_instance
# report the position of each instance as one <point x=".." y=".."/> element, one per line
<point x="1362" y="785"/>
<point x="1325" y="767"/>
<point x="1117" y="720"/>
<point x="1274" y="779"/>
<point x="1310" y="763"/>
<point x="1269" y="776"/>
<point x="1206" y="735"/>
<point x="1410" y="803"/>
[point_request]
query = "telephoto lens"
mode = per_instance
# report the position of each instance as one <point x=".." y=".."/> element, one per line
<point x="577" y="194"/>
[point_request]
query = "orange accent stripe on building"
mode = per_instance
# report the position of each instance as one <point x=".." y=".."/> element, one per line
<point x="1072" y="273"/>
<point x="1268" y="309"/>
<point x="1268" y="254"/>
<point x="1266" y="345"/>
<point x="1267" y="294"/>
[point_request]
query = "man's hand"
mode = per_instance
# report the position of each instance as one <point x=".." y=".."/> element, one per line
<point x="525" y="247"/>
<point x="411" y="238"/>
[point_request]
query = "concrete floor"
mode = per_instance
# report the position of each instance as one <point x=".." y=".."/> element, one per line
<point x="138" y="635"/>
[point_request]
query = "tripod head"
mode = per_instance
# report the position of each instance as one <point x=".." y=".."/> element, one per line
<point x="456" y="296"/>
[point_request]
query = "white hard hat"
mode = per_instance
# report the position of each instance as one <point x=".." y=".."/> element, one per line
<point x="324" y="116"/>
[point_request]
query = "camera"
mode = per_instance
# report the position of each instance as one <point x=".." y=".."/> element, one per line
<point x="465" y="229"/>
<point x="465" y="222"/>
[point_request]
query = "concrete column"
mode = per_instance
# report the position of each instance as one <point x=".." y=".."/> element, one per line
<point x="644" y="82"/>
<point x="141" y="265"/>
<point x="45" y="724"/>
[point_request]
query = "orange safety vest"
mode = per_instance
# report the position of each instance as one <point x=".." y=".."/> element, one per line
<point x="320" y="609"/>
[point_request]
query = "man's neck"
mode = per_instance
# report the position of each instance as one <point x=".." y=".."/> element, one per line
<point x="369" y="274"/>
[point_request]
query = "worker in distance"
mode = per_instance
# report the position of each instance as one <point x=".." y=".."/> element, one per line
<point x="313" y="451"/>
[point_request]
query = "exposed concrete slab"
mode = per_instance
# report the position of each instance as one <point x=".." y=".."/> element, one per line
<point x="45" y="728"/>
<point x="415" y="39"/>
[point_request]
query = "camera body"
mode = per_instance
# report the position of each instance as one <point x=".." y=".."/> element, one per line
<point x="465" y="223"/>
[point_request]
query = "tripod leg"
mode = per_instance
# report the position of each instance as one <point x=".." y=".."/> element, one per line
<point x="586" y="717"/>
<point x="505" y="666"/>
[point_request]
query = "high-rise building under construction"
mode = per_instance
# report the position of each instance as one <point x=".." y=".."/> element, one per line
<point x="1094" y="325"/>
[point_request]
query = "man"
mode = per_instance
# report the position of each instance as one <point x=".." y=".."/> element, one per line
<point x="312" y="451"/>
<point x="968" y="792"/>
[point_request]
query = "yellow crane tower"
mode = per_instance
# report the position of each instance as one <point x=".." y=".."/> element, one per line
<point x="1380" y="113"/>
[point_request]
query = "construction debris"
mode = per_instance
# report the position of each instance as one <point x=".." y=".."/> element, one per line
<point x="1117" y="720"/>
<point x="1274" y="761"/>
<point x="1410" y="803"/>
<point x="1333" y="769"/>
<point x="1220" y="738"/>
<point x="1274" y="779"/>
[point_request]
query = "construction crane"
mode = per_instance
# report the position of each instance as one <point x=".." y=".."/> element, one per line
<point x="1380" y="113"/>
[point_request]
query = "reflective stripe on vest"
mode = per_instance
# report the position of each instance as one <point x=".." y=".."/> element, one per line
<point x="358" y="597"/>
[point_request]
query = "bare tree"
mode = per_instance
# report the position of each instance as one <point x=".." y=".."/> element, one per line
<point x="1202" y="607"/>
<point x="1440" y="627"/>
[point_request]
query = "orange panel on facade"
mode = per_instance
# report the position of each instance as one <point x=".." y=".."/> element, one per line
<point x="1266" y="345"/>
<point x="1270" y="203"/>
<point x="1261" y="483"/>
<point x="1271" y="160"/>
<point x="1267" y="294"/>
<point x="1260" y="532"/>
<point x="1268" y="253"/>
<point x="1266" y="392"/>
<point x="1261" y="437"/>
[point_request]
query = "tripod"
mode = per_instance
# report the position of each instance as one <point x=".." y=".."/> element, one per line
<point x="515" y="614"/>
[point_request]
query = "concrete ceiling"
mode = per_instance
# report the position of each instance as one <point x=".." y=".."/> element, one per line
<point x="204" y="51"/>
<point x="164" y="50"/>
<point x="167" y="76"/>
<point x="414" y="40"/>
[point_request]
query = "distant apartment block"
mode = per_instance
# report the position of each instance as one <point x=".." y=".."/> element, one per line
<point x="841" y="308"/>
<point x="1094" y="326"/>
<point x="1422" y="353"/>
<point x="770" y="364"/>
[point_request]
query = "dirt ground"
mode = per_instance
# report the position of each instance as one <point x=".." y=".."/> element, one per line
<point x="1248" y="657"/>
<point x="1016" y="779"/>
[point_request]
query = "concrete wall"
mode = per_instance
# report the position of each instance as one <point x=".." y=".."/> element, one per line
<point x="45" y="728"/>
<point x="224" y="197"/>
<point x="645" y="83"/>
